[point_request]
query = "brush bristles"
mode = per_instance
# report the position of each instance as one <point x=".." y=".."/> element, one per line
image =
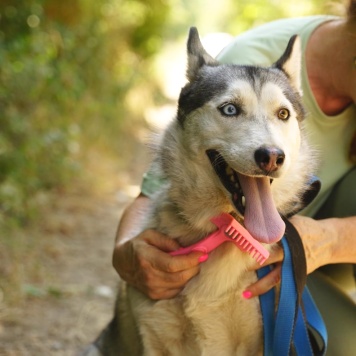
<point x="243" y="243"/>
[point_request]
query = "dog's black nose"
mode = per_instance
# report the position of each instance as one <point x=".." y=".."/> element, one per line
<point x="269" y="159"/>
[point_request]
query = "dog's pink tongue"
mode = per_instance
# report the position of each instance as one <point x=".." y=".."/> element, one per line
<point x="262" y="219"/>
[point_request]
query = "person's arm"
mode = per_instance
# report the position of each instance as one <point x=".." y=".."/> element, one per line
<point x="140" y="256"/>
<point x="325" y="242"/>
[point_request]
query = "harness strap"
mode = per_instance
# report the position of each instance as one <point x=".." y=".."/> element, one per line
<point x="290" y="326"/>
<point x="301" y="340"/>
<point x="287" y="306"/>
<point x="296" y="257"/>
<point x="315" y="323"/>
<point x="267" y="303"/>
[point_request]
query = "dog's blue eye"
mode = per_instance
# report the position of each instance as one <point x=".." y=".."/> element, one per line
<point x="229" y="110"/>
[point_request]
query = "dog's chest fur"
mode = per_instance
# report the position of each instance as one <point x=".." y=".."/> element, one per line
<point x="210" y="317"/>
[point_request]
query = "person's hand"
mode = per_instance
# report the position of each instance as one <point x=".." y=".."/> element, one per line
<point x="316" y="247"/>
<point x="269" y="281"/>
<point x="144" y="262"/>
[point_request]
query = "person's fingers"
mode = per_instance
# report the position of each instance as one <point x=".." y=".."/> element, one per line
<point x="264" y="284"/>
<point x="165" y="262"/>
<point x="172" y="264"/>
<point x="157" y="270"/>
<point x="179" y="279"/>
<point x="161" y="241"/>
<point x="163" y="285"/>
<point x="144" y="263"/>
<point x="172" y="272"/>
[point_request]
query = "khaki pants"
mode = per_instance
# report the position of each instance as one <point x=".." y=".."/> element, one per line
<point x="331" y="285"/>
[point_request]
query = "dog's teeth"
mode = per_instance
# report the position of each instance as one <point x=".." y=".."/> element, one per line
<point x="229" y="171"/>
<point x="243" y="201"/>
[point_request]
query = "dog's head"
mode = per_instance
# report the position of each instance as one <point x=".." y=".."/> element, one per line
<point x="244" y="122"/>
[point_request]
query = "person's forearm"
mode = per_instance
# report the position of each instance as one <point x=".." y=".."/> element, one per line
<point x="327" y="241"/>
<point x="344" y="244"/>
<point x="132" y="220"/>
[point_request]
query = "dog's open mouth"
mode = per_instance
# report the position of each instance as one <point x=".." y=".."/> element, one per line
<point x="252" y="198"/>
<point x="229" y="178"/>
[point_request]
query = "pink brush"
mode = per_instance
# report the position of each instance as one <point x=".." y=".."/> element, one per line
<point x="228" y="230"/>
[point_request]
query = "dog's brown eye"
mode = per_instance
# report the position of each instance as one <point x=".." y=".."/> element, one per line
<point x="283" y="114"/>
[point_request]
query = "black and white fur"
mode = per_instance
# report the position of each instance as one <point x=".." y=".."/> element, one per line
<point x="210" y="317"/>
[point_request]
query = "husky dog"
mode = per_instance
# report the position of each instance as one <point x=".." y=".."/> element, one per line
<point x="236" y="146"/>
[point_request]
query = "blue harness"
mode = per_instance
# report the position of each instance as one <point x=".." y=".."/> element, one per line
<point x="297" y="326"/>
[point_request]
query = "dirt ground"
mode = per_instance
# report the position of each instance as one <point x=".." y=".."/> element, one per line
<point x="74" y="298"/>
<point x="83" y="281"/>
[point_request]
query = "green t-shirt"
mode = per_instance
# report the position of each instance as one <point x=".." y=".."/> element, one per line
<point x="331" y="135"/>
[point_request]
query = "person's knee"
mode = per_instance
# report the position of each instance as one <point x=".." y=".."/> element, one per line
<point x="338" y="312"/>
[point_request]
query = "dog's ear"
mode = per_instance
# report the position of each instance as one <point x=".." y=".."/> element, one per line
<point x="291" y="61"/>
<point x="197" y="56"/>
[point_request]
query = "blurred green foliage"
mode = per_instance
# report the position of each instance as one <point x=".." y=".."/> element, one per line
<point x="246" y="13"/>
<point x="65" y="67"/>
